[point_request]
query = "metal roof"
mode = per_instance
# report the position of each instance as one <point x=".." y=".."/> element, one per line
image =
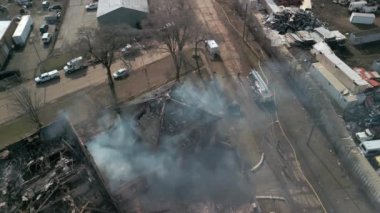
<point x="3" y="27"/>
<point x="370" y="145"/>
<point x="106" y="6"/>
<point x="326" y="50"/>
<point x="212" y="44"/>
<point x="369" y="15"/>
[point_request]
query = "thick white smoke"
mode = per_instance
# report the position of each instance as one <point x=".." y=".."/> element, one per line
<point x="212" y="172"/>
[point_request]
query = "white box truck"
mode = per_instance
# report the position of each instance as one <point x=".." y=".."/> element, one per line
<point x="362" y="18"/>
<point x="22" y="31"/>
<point x="213" y="48"/>
<point x="74" y="64"/>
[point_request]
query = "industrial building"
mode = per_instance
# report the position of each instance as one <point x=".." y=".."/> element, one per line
<point x="130" y="12"/>
<point x="6" y="31"/>
<point x="332" y="86"/>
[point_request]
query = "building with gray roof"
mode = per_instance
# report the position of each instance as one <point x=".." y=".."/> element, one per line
<point x="130" y="12"/>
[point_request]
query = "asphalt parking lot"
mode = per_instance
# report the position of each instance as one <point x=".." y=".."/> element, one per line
<point x="75" y="18"/>
<point x="27" y="58"/>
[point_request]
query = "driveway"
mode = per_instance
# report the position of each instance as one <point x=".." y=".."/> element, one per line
<point x="75" y="18"/>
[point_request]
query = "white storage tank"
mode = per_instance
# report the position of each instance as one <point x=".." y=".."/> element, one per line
<point x="362" y="18"/>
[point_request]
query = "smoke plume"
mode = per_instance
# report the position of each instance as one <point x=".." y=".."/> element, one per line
<point x="209" y="172"/>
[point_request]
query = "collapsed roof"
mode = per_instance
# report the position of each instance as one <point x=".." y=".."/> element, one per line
<point x="51" y="171"/>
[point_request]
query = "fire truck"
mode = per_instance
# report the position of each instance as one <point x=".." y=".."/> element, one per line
<point x="261" y="91"/>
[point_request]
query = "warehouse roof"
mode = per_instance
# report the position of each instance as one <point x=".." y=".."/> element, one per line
<point x="106" y="6"/>
<point x="3" y="27"/>
<point x="326" y="50"/>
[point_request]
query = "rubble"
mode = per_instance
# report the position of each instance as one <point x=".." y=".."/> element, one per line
<point x="49" y="172"/>
<point x="292" y="20"/>
<point x="179" y="159"/>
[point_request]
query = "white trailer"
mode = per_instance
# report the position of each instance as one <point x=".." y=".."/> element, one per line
<point x="362" y="6"/>
<point x="362" y="18"/>
<point x="22" y="31"/>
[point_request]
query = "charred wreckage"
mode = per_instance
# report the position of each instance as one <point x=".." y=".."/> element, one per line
<point x="165" y="155"/>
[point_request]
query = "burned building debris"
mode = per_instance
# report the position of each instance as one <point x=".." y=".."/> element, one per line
<point x="165" y="155"/>
<point x="290" y="20"/>
<point x="51" y="172"/>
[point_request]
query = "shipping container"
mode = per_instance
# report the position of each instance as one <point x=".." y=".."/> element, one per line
<point x="362" y="18"/>
<point x="22" y="31"/>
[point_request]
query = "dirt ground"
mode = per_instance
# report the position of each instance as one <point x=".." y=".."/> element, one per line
<point x="331" y="182"/>
<point x="337" y="17"/>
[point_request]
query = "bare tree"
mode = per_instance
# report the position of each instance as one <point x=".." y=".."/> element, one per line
<point x="28" y="102"/>
<point x="102" y="44"/>
<point x="174" y="26"/>
<point x="199" y="36"/>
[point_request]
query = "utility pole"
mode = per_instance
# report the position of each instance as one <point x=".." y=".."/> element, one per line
<point x="310" y="134"/>
<point x="245" y="20"/>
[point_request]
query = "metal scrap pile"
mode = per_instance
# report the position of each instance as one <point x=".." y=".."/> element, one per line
<point x="292" y="21"/>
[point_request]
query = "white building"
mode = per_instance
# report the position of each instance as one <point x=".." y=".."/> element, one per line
<point x="130" y="12"/>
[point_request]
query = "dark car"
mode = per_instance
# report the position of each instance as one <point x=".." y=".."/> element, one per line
<point x="10" y="73"/>
<point x="55" y="7"/>
<point x="44" y="28"/>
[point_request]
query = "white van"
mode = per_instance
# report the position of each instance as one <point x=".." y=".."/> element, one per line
<point x="370" y="148"/>
<point x="212" y="47"/>
<point x="46" y="38"/>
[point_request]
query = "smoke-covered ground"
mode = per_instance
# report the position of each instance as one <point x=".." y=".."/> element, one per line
<point x="189" y="165"/>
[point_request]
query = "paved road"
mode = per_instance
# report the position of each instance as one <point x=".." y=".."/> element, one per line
<point x="55" y="89"/>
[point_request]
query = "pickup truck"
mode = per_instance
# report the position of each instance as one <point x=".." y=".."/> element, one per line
<point x="44" y="77"/>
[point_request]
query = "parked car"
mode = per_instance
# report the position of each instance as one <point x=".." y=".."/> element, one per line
<point x="55" y="7"/>
<point x="121" y="73"/>
<point x="45" y="5"/>
<point x="44" y="28"/>
<point x="92" y="6"/>
<point x="47" y="76"/>
<point x="9" y="73"/>
<point x="46" y="38"/>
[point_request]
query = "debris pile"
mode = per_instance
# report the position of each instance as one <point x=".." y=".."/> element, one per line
<point x="291" y="20"/>
<point x="46" y="173"/>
